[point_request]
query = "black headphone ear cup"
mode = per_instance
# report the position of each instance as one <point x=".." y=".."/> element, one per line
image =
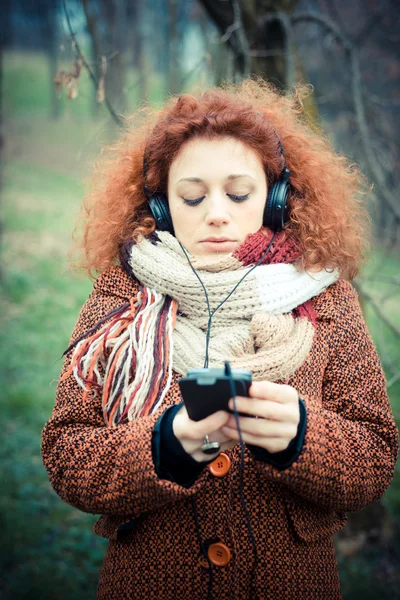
<point x="158" y="204"/>
<point x="276" y="208"/>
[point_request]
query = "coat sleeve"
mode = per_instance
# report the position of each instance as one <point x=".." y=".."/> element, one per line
<point x="351" y="441"/>
<point x="100" y="469"/>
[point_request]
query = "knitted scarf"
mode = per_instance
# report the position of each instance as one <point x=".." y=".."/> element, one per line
<point x="266" y="326"/>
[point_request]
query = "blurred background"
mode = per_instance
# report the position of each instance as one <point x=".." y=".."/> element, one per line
<point x="70" y="72"/>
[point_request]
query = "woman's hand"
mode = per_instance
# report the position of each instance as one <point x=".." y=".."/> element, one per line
<point x="277" y="412"/>
<point x="191" y="434"/>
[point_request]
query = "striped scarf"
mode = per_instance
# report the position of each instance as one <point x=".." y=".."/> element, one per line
<point x="266" y="326"/>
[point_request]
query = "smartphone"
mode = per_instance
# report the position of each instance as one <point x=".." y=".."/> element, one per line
<point x="205" y="391"/>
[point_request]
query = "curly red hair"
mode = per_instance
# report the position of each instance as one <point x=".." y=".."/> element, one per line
<point x="327" y="212"/>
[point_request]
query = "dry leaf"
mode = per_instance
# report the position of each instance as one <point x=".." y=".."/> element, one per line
<point x="100" y="91"/>
<point x="59" y="81"/>
<point x="101" y="88"/>
<point x="76" y="68"/>
<point x="72" y="88"/>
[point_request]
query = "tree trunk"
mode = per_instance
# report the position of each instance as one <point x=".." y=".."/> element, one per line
<point x="91" y="24"/>
<point x="5" y="41"/>
<point x="132" y="41"/>
<point x="173" y="78"/>
<point x="109" y="45"/>
<point x="143" y="57"/>
<point x="114" y="14"/>
<point x="50" y="38"/>
<point x="261" y="36"/>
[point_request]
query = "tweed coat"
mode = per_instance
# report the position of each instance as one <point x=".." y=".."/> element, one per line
<point x="347" y="461"/>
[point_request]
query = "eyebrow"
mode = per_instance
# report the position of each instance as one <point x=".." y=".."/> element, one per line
<point x="229" y="178"/>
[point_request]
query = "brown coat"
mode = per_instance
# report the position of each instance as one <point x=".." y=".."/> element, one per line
<point x="347" y="461"/>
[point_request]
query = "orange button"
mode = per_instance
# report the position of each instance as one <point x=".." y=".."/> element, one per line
<point x="220" y="465"/>
<point x="219" y="554"/>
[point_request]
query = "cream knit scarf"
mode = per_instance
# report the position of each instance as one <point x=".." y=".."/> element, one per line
<point x="254" y="329"/>
<point x="260" y="327"/>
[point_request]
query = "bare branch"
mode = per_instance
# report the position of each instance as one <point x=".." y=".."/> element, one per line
<point x="241" y="38"/>
<point x="389" y="295"/>
<point x="290" y="69"/>
<point x="393" y="379"/>
<point x="388" y="363"/>
<point x="266" y="53"/>
<point x="228" y="33"/>
<point x="377" y="308"/>
<point x="358" y="104"/>
<point x="393" y="280"/>
<point x="381" y="101"/>
<point x="330" y="7"/>
<point x="87" y="66"/>
<point x="204" y="59"/>
<point x="375" y="20"/>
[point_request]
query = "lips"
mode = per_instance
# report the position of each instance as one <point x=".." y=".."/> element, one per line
<point x="222" y="244"/>
<point x="218" y="239"/>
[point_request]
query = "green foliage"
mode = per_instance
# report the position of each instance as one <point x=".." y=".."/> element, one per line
<point x="29" y="89"/>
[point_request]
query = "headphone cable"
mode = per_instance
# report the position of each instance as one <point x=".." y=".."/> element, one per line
<point x="228" y="371"/>
<point x="212" y="313"/>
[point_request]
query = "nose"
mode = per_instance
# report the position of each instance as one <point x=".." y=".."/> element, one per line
<point x="217" y="211"/>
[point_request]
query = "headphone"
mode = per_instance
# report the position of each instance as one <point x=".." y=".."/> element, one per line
<point x="276" y="212"/>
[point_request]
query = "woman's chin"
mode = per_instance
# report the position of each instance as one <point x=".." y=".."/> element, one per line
<point x="213" y="255"/>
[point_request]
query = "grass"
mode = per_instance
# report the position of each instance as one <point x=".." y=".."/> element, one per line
<point x="47" y="548"/>
<point x="50" y="550"/>
<point x="375" y="279"/>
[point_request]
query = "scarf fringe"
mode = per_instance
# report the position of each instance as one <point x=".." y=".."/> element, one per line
<point x="106" y="362"/>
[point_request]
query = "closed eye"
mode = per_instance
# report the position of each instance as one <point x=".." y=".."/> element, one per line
<point x="197" y="201"/>
<point x="238" y="198"/>
<point x="194" y="202"/>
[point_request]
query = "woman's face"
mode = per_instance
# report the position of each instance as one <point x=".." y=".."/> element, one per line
<point x="216" y="192"/>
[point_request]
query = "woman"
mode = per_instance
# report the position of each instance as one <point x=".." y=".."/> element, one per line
<point x="234" y="178"/>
